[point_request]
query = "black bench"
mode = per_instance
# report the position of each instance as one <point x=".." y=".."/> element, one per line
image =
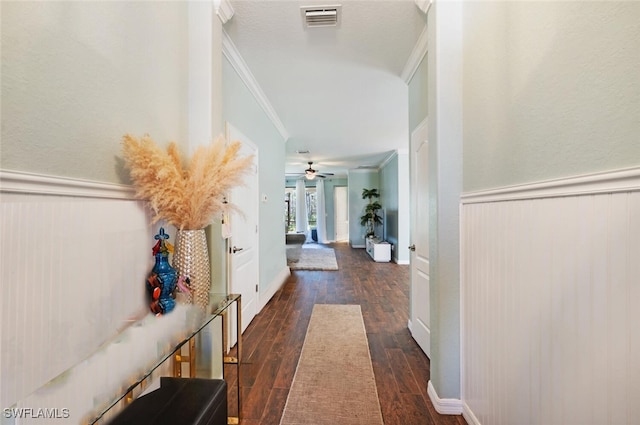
<point x="184" y="401"/>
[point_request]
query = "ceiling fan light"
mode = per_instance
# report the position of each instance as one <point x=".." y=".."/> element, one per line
<point x="310" y="175"/>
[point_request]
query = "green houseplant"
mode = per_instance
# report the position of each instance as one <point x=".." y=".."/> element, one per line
<point x="371" y="219"/>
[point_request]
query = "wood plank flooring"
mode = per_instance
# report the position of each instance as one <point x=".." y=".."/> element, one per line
<point x="273" y="341"/>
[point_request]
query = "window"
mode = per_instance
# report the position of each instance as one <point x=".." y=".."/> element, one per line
<point x="311" y="206"/>
<point x="290" y="207"/>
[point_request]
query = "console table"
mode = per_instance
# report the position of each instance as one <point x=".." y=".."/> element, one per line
<point x="198" y="321"/>
<point x="132" y="363"/>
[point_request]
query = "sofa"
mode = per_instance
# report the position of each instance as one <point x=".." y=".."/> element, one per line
<point x="294" y="246"/>
<point x="295" y="238"/>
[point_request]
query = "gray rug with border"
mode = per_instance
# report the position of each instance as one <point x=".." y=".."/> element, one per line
<point x="311" y="257"/>
<point x="334" y="381"/>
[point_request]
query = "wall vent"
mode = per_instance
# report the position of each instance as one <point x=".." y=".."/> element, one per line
<point x="321" y="16"/>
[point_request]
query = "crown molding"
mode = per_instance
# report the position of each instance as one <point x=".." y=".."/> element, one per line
<point x="418" y="53"/>
<point x="40" y="184"/>
<point x="424" y="5"/>
<point x="364" y="170"/>
<point x="388" y="159"/>
<point x="233" y="55"/>
<point x="224" y="10"/>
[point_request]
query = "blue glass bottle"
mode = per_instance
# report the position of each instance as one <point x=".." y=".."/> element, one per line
<point x="168" y="278"/>
<point x="162" y="281"/>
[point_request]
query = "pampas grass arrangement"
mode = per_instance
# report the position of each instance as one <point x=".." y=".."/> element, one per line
<point x="188" y="195"/>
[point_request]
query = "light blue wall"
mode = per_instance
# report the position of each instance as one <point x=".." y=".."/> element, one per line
<point x="394" y="197"/>
<point x="329" y="185"/>
<point x="77" y="76"/>
<point x="418" y="105"/>
<point x="389" y="199"/>
<point x="359" y="180"/>
<point x="562" y="103"/>
<point x="241" y="109"/>
<point x="404" y="209"/>
<point x="445" y="185"/>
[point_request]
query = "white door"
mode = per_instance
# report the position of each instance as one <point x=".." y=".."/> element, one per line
<point x="420" y="308"/>
<point x="341" y="213"/>
<point x="243" y="243"/>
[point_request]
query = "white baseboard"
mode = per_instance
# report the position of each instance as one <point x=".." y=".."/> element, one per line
<point x="401" y="262"/>
<point x="275" y="285"/>
<point x="468" y="415"/>
<point x="444" y="406"/>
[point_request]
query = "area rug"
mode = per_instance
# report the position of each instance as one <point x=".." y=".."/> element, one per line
<point x="311" y="258"/>
<point x="334" y="381"/>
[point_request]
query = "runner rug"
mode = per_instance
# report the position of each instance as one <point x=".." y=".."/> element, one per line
<point x="334" y="381"/>
<point x="311" y="257"/>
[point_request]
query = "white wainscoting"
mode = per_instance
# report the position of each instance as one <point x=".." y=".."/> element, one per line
<point x="74" y="256"/>
<point x="551" y="303"/>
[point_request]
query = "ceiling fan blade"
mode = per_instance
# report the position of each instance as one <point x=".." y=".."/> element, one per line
<point x="310" y="173"/>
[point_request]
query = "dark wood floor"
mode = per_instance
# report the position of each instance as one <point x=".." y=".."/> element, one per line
<point x="273" y="341"/>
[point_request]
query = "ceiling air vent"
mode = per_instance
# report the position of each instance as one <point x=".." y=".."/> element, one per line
<point x="321" y="16"/>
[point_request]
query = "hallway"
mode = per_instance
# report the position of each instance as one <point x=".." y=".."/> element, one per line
<point x="273" y="341"/>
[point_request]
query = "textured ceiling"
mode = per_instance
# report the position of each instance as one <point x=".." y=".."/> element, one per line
<point x="337" y="90"/>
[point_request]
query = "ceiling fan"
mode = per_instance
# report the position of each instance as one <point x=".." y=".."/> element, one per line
<point x="311" y="174"/>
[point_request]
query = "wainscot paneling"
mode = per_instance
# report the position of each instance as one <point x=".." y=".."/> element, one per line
<point x="74" y="256"/>
<point x="550" y="294"/>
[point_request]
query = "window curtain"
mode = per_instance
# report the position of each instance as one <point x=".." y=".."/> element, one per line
<point x="302" y="221"/>
<point x="321" y="219"/>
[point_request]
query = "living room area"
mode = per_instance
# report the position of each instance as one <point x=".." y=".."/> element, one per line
<point x="361" y="208"/>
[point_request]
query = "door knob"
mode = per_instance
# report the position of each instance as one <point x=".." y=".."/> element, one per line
<point x="412" y="247"/>
<point x="236" y="249"/>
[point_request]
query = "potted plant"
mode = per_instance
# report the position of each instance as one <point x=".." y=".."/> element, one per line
<point x="371" y="219"/>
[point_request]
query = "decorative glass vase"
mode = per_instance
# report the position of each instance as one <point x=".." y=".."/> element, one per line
<point x="163" y="280"/>
<point x="191" y="261"/>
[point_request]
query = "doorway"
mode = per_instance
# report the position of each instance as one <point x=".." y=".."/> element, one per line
<point x="420" y="286"/>
<point x="341" y="213"/>
<point x="243" y="241"/>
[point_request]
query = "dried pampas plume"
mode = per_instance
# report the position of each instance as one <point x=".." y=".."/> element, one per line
<point x="187" y="195"/>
